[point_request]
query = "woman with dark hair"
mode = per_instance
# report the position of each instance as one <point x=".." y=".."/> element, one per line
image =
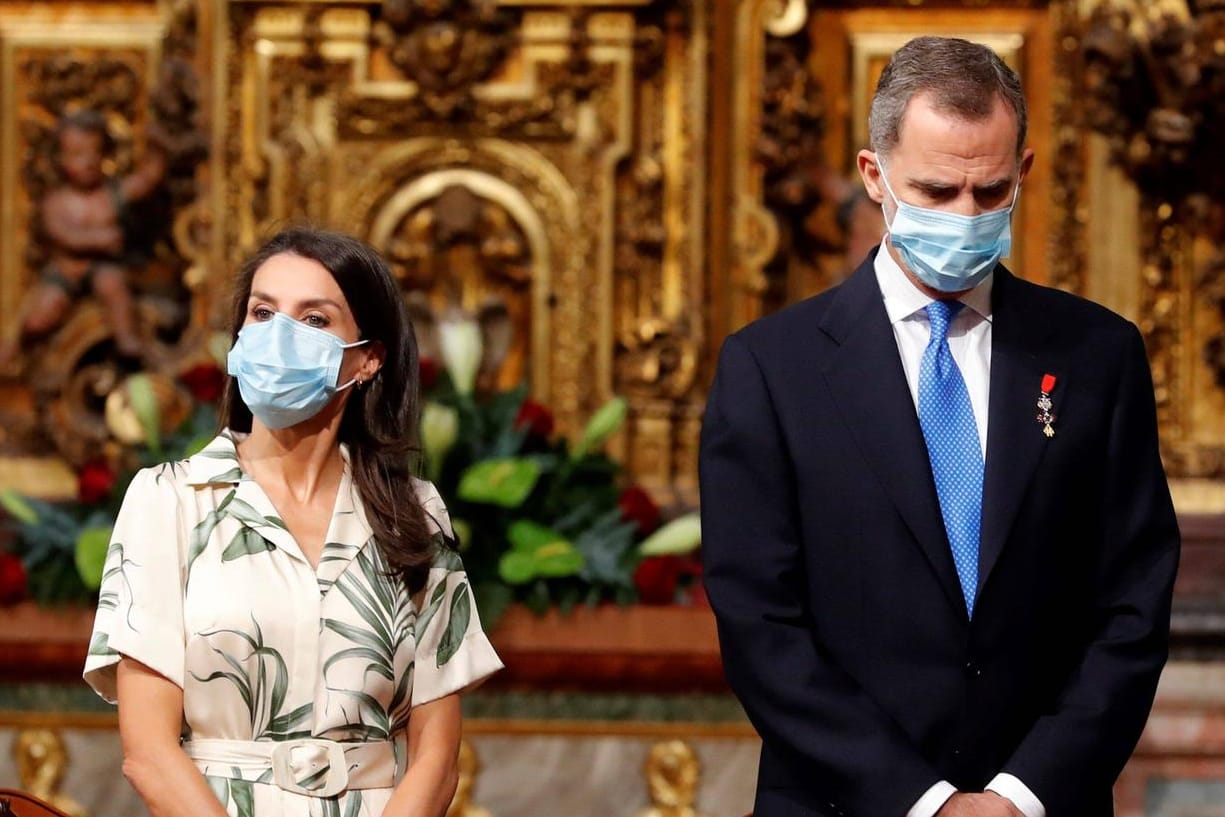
<point x="281" y="609"/>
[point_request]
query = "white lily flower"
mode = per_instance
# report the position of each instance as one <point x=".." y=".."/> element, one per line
<point x="459" y="342"/>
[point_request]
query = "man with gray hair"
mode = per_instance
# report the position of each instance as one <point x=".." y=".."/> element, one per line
<point x="937" y="534"/>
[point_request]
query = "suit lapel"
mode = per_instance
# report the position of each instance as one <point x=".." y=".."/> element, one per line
<point x="866" y="378"/>
<point x="1020" y="356"/>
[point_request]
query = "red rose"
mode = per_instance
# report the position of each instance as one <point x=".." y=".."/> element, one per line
<point x="536" y="418"/>
<point x="94" y="481"/>
<point x="12" y="579"/>
<point x="637" y="506"/>
<point x="428" y="372"/>
<point x="205" y="382"/>
<point x="658" y="577"/>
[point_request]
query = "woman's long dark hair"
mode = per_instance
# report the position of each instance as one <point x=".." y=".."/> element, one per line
<point x="380" y="420"/>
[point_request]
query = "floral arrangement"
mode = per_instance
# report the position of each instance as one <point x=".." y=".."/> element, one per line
<point x="538" y="519"/>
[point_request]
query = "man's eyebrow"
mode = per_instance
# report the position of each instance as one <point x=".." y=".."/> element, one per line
<point x="931" y="186"/>
<point x="993" y="186"/>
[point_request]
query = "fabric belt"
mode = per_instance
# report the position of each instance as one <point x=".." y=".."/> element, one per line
<point x="310" y="766"/>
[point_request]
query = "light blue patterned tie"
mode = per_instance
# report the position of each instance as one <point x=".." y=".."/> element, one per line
<point x="956" y="455"/>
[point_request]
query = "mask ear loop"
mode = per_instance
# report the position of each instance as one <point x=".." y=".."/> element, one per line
<point x="355" y="379"/>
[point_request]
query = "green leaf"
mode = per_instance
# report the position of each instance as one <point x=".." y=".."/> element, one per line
<point x="243" y="792"/>
<point x="18" y="507"/>
<point x="457" y="625"/>
<point x="557" y="560"/>
<point x="90" y="556"/>
<point x="517" y="567"/>
<point x="357" y="635"/>
<point x="377" y="661"/>
<point x="504" y="482"/>
<point x="291" y="721"/>
<point x="200" y="534"/>
<point x="246" y="542"/>
<point x="143" y="400"/>
<point x="602" y="425"/>
<point x="99" y="645"/>
<point x="604" y="549"/>
<point x="233" y="475"/>
<point x="426" y="615"/>
<point x="527" y="536"/>
<point x="244" y="512"/>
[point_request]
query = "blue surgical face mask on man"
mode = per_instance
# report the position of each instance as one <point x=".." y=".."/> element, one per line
<point x="287" y="371"/>
<point x="948" y="251"/>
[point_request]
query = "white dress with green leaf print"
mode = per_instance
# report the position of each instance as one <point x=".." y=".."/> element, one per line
<point x="204" y="584"/>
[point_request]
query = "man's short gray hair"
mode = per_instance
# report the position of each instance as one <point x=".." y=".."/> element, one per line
<point x="962" y="78"/>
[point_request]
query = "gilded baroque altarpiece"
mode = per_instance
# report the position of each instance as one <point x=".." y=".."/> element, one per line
<point x="611" y="186"/>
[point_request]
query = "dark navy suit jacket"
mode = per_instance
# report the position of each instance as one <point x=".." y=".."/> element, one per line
<point x="842" y="624"/>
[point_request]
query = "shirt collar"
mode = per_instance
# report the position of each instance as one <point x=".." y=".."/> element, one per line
<point x="903" y="299"/>
<point x="349" y="530"/>
<point x="217" y="462"/>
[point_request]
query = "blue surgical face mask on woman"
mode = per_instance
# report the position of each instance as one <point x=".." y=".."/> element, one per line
<point x="287" y="371"/>
<point x="948" y="251"/>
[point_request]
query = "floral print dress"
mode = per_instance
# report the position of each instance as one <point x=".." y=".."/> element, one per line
<point x="204" y="584"/>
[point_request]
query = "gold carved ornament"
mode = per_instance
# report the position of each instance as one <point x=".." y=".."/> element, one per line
<point x="42" y="761"/>
<point x="1154" y="77"/>
<point x="673" y="774"/>
<point x="72" y="353"/>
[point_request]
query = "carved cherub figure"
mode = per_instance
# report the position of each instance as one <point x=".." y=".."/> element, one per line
<point x="82" y="220"/>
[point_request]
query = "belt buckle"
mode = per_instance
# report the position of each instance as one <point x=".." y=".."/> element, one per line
<point x="327" y="755"/>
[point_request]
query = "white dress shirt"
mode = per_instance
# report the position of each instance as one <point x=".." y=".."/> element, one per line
<point x="969" y="339"/>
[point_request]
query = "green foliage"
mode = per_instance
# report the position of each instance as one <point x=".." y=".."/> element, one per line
<point x="63" y="544"/>
<point x="537" y="522"/>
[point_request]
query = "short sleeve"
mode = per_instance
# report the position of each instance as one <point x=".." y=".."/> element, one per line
<point x="140" y="602"/>
<point x="453" y="654"/>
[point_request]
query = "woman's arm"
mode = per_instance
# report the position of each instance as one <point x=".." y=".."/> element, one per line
<point x="150" y="718"/>
<point x="433" y="754"/>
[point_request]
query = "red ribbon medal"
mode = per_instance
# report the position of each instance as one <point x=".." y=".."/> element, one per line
<point x="1045" y="405"/>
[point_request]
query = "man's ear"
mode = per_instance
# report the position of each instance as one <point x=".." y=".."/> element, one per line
<point x="869" y="171"/>
<point x="1027" y="161"/>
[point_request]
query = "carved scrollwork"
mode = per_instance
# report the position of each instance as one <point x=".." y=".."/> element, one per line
<point x="673" y="775"/>
<point x="789" y="150"/>
<point x="447" y="47"/>
<point x="659" y="359"/>
<point x="1067" y="241"/>
<point x="1159" y="96"/>
<point x="1155" y="86"/>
